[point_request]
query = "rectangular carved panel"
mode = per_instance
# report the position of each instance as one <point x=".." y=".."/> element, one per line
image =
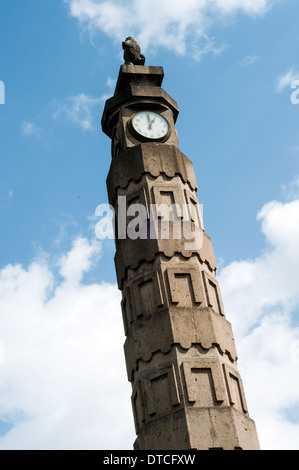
<point x="138" y="407"/>
<point x="168" y="195"/>
<point x="127" y="312"/>
<point x="147" y="295"/>
<point x="125" y="213"/>
<point x="204" y="382"/>
<point x="194" y="209"/>
<point x="235" y="388"/>
<point x="137" y="214"/>
<point x="202" y="389"/>
<point x="185" y="285"/>
<point x="162" y="392"/>
<point x="138" y="197"/>
<point x="213" y="294"/>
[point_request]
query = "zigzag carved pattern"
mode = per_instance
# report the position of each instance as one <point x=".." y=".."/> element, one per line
<point x="148" y="159"/>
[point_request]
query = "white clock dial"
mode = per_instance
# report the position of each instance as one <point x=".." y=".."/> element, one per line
<point x="150" y="125"/>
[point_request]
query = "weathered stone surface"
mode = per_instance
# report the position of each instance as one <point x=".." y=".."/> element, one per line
<point x="192" y="388"/>
<point x="137" y="75"/>
<point x="120" y="124"/>
<point x="169" y="433"/>
<point x="131" y="253"/>
<point x="137" y="84"/>
<point x="168" y="283"/>
<point x="220" y="428"/>
<point x="152" y="159"/>
<point x="180" y="353"/>
<point x="201" y="429"/>
<point x="181" y="326"/>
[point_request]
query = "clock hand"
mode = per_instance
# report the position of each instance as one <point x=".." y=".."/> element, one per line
<point x="151" y="123"/>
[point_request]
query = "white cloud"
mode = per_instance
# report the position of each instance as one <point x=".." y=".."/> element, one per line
<point x="291" y="190"/>
<point x="110" y="83"/>
<point x="74" y="264"/>
<point x="2" y="353"/>
<point x="63" y="384"/>
<point x="285" y="80"/>
<point x="179" y="26"/>
<point x="80" y="110"/>
<point x="250" y="7"/>
<point x="261" y="297"/>
<point x="249" y="60"/>
<point x="29" y="128"/>
<point x="270" y="281"/>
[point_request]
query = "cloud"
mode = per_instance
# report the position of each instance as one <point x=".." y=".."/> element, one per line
<point x="261" y="297"/>
<point x="74" y="264"/>
<point x="2" y="353"/>
<point x="285" y="80"/>
<point x="83" y="110"/>
<point x="110" y="86"/>
<point x="291" y="190"/>
<point x="250" y="7"/>
<point x="63" y="384"/>
<point x="110" y="83"/>
<point x="270" y="281"/>
<point x="179" y="26"/>
<point x="249" y="60"/>
<point x="29" y="128"/>
<point x="80" y="110"/>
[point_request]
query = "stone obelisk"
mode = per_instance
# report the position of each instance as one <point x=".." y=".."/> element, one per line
<point x="180" y="352"/>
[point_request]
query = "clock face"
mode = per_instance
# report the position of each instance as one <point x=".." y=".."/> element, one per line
<point x="150" y="126"/>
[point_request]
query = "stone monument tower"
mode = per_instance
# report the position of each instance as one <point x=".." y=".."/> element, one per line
<point x="180" y="352"/>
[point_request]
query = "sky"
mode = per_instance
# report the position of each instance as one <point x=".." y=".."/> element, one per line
<point x="232" y="66"/>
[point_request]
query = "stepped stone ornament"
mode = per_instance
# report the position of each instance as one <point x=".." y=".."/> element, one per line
<point x="180" y="353"/>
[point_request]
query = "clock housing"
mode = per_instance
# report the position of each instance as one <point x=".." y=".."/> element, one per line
<point x="138" y="89"/>
<point x="149" y="126"/>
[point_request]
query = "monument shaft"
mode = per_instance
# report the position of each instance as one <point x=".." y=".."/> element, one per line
<point x="180" y="352"/>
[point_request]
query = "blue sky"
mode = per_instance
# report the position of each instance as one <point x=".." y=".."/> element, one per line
<point x="229" y="65"/>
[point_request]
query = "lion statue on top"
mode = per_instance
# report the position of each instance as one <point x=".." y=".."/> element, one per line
<point x="132" y="52"/>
